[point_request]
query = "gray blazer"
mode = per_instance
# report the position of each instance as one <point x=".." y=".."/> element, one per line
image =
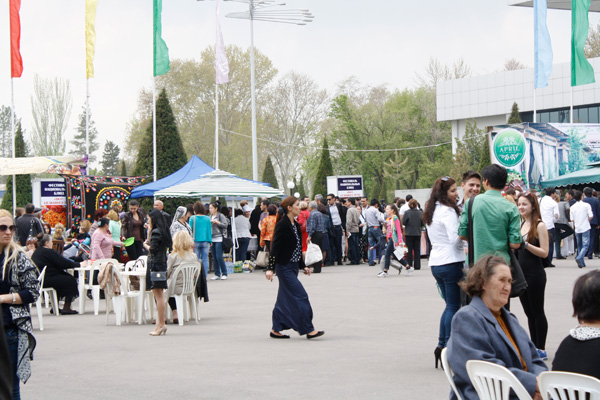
<point x="219" y="230"/>
<point x="476" y="335"/>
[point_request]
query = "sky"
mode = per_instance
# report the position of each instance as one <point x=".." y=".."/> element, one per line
<point x="376" y="41"/>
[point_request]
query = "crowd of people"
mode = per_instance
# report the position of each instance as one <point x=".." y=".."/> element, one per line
<point x="473" y="244"/>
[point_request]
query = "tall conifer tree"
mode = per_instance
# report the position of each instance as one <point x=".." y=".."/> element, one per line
<point x="23" y="181"/>
<point x="325" y="169"/>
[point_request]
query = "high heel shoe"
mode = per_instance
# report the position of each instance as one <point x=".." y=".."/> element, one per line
<point x="438" y="356"/>
<point x="163" y="331"/>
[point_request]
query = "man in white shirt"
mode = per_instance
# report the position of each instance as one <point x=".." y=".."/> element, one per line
<point x="549" y="211"/>
<point x="405" y="206"/>
<point x="581" y="215"/>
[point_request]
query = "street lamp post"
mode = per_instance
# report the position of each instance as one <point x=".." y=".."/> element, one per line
<point x="259" y="10"/>
<point x="290" y="186"/>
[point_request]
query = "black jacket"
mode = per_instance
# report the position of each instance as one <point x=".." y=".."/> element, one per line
<point x="26" y="223"/>
<point x="284" y="243"/>
<point x="254" y="218"/>
<point x="55" y="263"/>
<point x="342" y="211"/>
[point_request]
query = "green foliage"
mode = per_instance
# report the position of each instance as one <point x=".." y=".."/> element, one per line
<point x="472" y="153"/>
<point x="23" y="181"/>
<point x="577" y="157"/>
<point x="123" y="168"/>
<point x="110" y="158"/>
<point x="300" y="187"/>
<point x="269" y="174"/>
<point x="515" y="117"/>
<point x="170" y="155"/>
<point x="5" y="131"/>
<point x="325" y="169"/>
<point x="78" y="142"/>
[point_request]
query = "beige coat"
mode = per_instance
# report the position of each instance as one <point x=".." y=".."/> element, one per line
<point x="108" y="278"/>
<point x="174" y="261"/>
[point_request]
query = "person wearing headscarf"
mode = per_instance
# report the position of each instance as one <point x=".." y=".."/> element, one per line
<point x="180" y="221"/>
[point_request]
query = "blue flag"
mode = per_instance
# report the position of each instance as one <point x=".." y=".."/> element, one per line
<point x="543" y="45"/>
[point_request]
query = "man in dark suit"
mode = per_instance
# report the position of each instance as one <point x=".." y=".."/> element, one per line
<point x="595" y="221"/>
<point x="337" y="214"/>
<point x="28" y="224"/>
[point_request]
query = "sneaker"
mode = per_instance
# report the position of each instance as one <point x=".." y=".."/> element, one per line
<point x="543" y="355"/>
<point x="382" y="274"/>
<point x="409" y="271"/>
<point x="223" y="277"/>
<point x="215" y="278"/>
<point x="579" y="263"/>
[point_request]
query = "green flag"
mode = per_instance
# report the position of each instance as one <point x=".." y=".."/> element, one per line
<point x="582" y="72"/>
<point x="161" y="51"/>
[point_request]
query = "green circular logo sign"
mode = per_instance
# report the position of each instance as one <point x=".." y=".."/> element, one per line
<point x="509" y="148"/>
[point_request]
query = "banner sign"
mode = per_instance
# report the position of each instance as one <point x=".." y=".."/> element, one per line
<point x="350" y="186"/>
<point x="509" y="148"/>
<point x="54" y="202"/>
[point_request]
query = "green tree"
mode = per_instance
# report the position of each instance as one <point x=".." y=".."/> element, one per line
<point x="472" y="152"/>
<point x="110" y="158"/>
<point x="170" y="155"/>
<point x="269" y="173"/>
<point x="324" y="170"/>
<point x="78" y="141"/>
<point x="23" y="181"/>
<point x="577" y="156"/>
<point x="300" y="187"/>
<point x="123" y="168"/>
<point x="515" y="117"/>
<point x="5" y="132"/>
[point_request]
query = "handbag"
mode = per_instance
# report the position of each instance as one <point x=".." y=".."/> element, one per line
<point x="313" y="254"/>
<point x="519" y="284"/>
<point x="262" y="258"/>
<point x="158" y="276"/>
<point x="227" y="242"/>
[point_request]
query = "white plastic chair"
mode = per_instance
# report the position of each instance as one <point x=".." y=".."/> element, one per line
<point x="449" y="373"/>
<point x="133" y="295"/>
<point x="494" y="382"/>
<point x="50" y="292"/>
<point x="84" y="287"/>
<point x="568" y="386"/>
<point x="119" y="303"/>
<point x="190" y="272"/>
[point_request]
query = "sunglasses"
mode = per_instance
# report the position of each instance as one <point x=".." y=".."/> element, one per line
<point x="4" y="228"/>
<point x="445" y="178"/>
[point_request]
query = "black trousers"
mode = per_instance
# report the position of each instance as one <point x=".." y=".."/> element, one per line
<point x="561" y="231"/>
<point x="533" y="305"/>
<point x="135" y="250"/>
<point x="335" y="245"/>
<point x="413" y="245"/>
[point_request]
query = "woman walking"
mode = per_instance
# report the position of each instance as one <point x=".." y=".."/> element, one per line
<point x="133" y="226"/>
<point x="219" y="227"/>
<point x="242" y="234"/>
<point x="156" y="275"/>
<point x="292" y="309"/>
<point x="202" y="234"/>
<point x="535" y="249"/>
<point x="413" y="223"/>
<point x="19" y="287"/>
<point x="394" y="238"/>
<point x="447" y="256"/>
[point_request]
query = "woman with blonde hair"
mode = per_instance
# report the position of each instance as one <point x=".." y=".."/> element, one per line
<point x="183" y="253"/>
<point x="59" y="230"/>
<point x="19" y="287"/>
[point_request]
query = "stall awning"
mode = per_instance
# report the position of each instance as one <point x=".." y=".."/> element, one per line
<point x="586" y="176"/>
<point x="40" y="165"/>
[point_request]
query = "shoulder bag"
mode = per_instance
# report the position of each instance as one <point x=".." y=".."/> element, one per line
<point x="262" y="258"/>
<point x="227" y="242"/>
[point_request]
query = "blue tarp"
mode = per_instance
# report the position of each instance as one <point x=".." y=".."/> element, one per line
<point x="190" y="171"/>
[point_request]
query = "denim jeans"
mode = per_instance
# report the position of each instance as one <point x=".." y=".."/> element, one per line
<point x="374" y="235"/>
<point x="240" y="252"/>
<point x="13" y="349"/>
<point x="201" y="249"/>
<point x="389" y="253"/>
<point x="216" y="250"/>
<point x="354" y="248"/>
<point x="447" y="277"/>
<point x="583" y="242"/>
<point x="592" y="241"/>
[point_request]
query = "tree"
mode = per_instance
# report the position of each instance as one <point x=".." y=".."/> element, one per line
<point x="50" y="109"/>
<point x="515" y="117"/>
<point x="435" y="71"/>
<point x="269" y="174"/>
<point x="170" y="155"/>
<point x="123" y="168"/>
<point x="577" y="156"/>
<point x="78" y="141"/>
<point x="592" y="45"/>
<point x="110" y="158"/>
<point x="5" y="131"/>
<point x="472" y="152"/>
<point x="23" y="181"/>
<point x="299" y="185"/>
<point x="513" y="64"/>
<point x="325" y="169"/>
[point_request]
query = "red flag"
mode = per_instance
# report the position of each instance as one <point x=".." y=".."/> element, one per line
<point x="16" y="62"/>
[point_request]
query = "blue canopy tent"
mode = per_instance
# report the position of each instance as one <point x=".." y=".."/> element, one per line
<point x="190" y="171"/>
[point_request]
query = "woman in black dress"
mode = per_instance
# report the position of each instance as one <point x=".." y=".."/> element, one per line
<point x="413" y="224"/>
<point x="156" y="278"/>
<point x="535" y="248"/>
<point x="292" y="308"/>
<point x="56" y="277"/>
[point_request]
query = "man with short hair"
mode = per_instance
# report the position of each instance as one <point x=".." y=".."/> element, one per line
<point x="496" y="221"/>
<point x="562" y="229"/>
<point x="549" y="212"/>
<point x="595" y="221"/>
<point x="353" y="228"/>
<point x="255" y="219"/>
<point x="159" y="204"/>
<point x="28" y="224"/>
<point x="338" y="219"/>
<point x="471" y="186"/>
<point x="264" y="204"/>
<point x="581" y="215"/>
<point x="374" y="220"/>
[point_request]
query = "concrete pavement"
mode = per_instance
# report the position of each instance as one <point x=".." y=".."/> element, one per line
<point x="379" y="342"/>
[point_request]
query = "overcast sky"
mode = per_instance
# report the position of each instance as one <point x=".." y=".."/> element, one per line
<point x="376" y="41"/>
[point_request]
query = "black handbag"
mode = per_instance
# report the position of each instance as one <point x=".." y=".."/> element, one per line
<point x="158" y="276"/>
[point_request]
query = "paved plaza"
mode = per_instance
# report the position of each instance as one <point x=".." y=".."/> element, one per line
<point x="379" y="342"/>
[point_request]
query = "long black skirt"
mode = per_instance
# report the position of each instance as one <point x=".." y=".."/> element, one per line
<point x="292" y="309"/>
<point x="64" y="284"/>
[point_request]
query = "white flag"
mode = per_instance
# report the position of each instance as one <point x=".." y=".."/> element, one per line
<point x="221" y="63"/>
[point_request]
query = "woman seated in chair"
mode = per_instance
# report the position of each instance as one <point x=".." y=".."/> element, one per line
<point x="183" y="253"/>
<point x="485" y="330"/>
<point x="56" y="277"/>
<point x="580" y="351"/>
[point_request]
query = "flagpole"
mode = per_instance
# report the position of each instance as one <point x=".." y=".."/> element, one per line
<point x="253" y="98"/>
<point x="571" y="105"/>
<point x="87" y="113"/>
<point x="216" y="125"/>
<point x="14" y="150"/>
<point x="534" y="107"/>
<point x="154" y="125"/>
